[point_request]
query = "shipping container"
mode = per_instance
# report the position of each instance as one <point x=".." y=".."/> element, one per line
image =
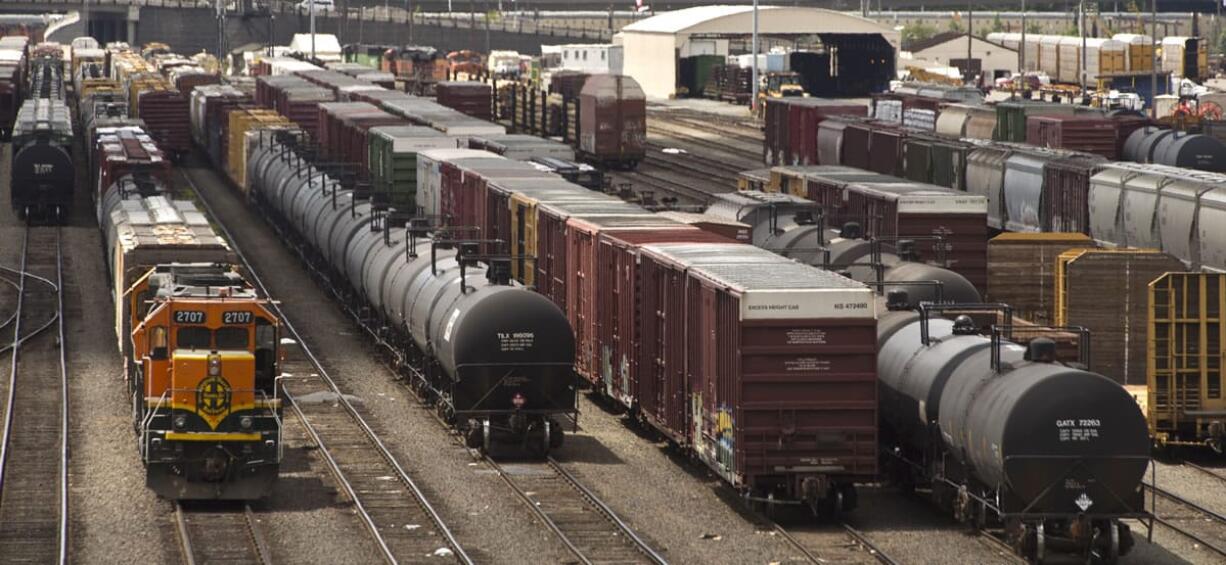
<point x="1106" y="291"/>
<point x="1022" y="272"/>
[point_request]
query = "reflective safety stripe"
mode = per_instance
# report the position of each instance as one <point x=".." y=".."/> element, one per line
<point x="206" y="436"/>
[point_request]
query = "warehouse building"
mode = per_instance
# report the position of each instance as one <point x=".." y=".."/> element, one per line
<point x="861" y="52"/>
<point x="989" y="60"/>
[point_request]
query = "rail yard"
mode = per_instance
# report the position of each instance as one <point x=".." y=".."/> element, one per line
<point x="325" y="303"/>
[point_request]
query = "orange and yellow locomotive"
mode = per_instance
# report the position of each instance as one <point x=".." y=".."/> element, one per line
<point x="203" y="368"/>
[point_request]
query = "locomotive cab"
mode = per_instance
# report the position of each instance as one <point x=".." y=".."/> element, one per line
<point x="206" y="405"/>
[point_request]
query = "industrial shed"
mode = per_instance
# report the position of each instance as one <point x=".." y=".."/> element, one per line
<point x="653" y="47"/>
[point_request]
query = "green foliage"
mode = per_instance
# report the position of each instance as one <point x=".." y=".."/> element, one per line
<point x="955" y="25"/>
<point x="917" y="32"/>
<point x="997" y="25"/>
<point x="1033" y="27"/>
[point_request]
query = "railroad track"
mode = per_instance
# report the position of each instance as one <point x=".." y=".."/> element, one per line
<point x="401" y="520"/>
<point x="831" y="543"/>
<point x="34" y="448"/>
<point x="1204" y="470"/>
<point x="1191" y="520"/>
<point x="212" y="534"/>
<point x="584" y="523"/>
<point x="726" y="140"/>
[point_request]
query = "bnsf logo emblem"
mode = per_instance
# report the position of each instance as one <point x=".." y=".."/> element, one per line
<point x="43" y="168"/>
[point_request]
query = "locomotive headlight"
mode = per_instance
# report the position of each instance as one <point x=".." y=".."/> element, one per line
<point x="180" y="421"/>
<point x="245" y="422"/>
<point x="214" y="366"/>
<point x="519" y="400"/>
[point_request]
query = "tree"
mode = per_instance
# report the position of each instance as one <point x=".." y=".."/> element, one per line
<point x="917" y="32"/>
<point x="997" y="25"/>
<point x="955" y="25"/>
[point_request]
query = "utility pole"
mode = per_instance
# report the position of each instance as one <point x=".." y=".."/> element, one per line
<point x="312" y="29"/>
<point x="970" y="38"/>
<point x="1153" y="58"/>
<point x="1021" y="64"/>
<point x="753" y="92"/>
<point x="1081" y="14"/>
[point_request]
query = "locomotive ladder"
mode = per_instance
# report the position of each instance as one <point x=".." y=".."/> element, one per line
<point x="400" y="518"/>
<point x="34" y="449"/>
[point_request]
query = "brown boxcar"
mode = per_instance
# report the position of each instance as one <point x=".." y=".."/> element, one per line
<point x="498" y="191"/>
<point x="613" y="121"/>
<point x="469" y="97"/>
<point x="885" y="147"/>
<point x="167" y="117"/>
<point x="827" y="186"/>
<point x="554" y="264"/>
<point x="462" y="192"/>
<point x="329" y="124"/>
<point x="765" y="367"/>
<point x="916" y="210"/>
<point x="1099" y="136"/>
<point x="618" y="308"/>
<point x="855" y="146"/>
<point x="583" y="272"/>
<point x="804" y="117"/>
<point x="1066" y="193"/>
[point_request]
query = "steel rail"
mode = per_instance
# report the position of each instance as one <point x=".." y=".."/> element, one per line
<point x="373" y="437"/>
<point x="11" y="403"/>
<point x="258" y="547"/>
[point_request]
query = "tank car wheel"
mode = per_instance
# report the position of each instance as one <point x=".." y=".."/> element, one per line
<point x="1112" y="554"/>
<point x="536" y="438"/>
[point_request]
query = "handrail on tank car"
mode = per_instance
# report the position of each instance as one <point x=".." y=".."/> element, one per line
<point x="925" y="308"/>
<point x="1083" y="340"/>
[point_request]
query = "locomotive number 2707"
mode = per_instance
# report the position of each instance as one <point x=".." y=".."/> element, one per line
<point x="189" y="316"/>
<point x="239" y="317"/>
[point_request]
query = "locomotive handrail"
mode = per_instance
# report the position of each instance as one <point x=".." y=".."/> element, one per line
<point x="925" y="308"/>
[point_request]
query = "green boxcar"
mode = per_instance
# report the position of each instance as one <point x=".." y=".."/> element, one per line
<point x="1011" y="117"/>
<point x="392" y="158"/>
<point x="949" y="164"/>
